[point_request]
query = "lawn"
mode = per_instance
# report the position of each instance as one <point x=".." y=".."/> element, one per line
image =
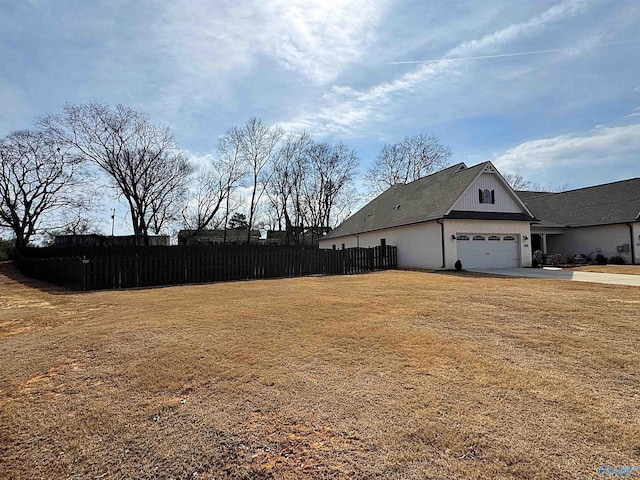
<point x="388" y="375"/>
<point x="623" y="269"/>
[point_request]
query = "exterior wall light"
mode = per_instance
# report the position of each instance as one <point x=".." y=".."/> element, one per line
<point x="453" y="237"/>
<point x="524" y="237"/>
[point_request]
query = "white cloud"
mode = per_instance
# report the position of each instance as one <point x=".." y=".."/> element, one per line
<point x="635" y="113"/>
<point x="200" y="53"/>
<point x="318" y="38"/>
<point x="591" y="157"/>
<point x="200" y="163"/>
<point x="347" y="110"/>
<point x="315" y="39"/>
<point x="518" y="30"/>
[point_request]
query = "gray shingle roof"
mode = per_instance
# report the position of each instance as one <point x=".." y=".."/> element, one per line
<point x="617" y="202"/>
<point x="425" y="199"/>
<point x="523" y="194"/>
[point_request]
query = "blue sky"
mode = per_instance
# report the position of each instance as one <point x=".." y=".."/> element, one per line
<point x="548" y="89"/>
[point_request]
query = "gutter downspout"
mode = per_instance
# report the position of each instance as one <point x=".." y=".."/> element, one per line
<point x="357" y="240"/>
<point x="442" y="239"/>
<point x="632" y="243"/>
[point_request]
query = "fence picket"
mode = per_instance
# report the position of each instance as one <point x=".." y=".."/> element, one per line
<point x="127" y="267"/>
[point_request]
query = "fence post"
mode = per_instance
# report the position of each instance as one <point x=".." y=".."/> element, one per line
<point x="120" y="268"/>
<point x="85" y="261"/>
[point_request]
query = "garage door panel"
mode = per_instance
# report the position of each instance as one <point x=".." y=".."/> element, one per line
<point x="480" y="250"/>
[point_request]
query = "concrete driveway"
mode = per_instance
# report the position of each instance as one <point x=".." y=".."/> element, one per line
<point x="561" y="274"/>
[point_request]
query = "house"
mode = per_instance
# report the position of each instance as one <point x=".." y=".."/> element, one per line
<point x="599" y="220"/>
<point x="95" y="240"/>
<point x="217" y="236"/>
<point x="461" y="213"/>
<point x="306" y="235"/>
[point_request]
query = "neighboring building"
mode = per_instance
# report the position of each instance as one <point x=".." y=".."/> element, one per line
<point x="94" y="240"/>
<point x="604" y="220"/>
<point x="217" y="236"/>
<point x="465" y="213"/>
<point x="306" y="236"/>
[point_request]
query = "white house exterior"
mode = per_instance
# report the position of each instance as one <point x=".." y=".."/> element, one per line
<point x="599" y="220"/>
<point x="460" y="213"/>
<point x="606" y="240"/>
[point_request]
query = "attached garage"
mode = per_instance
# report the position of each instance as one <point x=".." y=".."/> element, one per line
<point x="482" y="250"/>
<point x="471" y="214"/>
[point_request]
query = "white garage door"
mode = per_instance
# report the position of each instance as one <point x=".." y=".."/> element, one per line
<point x="488" y="251"/>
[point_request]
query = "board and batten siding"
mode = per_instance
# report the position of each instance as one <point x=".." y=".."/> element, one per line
<point x="470" y="202"/>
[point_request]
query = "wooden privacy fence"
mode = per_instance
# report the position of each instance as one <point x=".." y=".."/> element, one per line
<point x="111" y="268"/>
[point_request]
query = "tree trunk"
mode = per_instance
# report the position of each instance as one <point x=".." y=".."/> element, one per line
<point x="21" y="241"/>
<point x="251" y="209"/>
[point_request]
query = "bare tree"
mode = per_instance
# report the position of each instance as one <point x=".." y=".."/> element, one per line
<point x="167" y="197"/>
<point x="518" y="182"/>
<point x="330" y="177"/>
<point x="387" y="169"/>
<point x="207" y="196"/>
<point x="140" y="159"/>
<point x="213" y="192"/>
<point x="38" y="178"/>
<point x="286" y="187"/>
<point x="272" y="214"/>
<point x="346" y="202"/>
<point x="409" y="160"/>
<point x="274" y="211"/>
<point x="78" y="224"/>
<point x="231" y="168"/>
<point x="257" y="143"/>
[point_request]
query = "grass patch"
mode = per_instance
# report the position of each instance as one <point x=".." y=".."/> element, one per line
<point x="620" y="269"/>
<point x="389" y="375"/>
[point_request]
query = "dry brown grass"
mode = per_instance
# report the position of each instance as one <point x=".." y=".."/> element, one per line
<point x="623" y="269"/>
<point x="387" y="375"/>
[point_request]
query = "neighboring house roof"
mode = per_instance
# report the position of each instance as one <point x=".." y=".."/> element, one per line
<point x="426" y="199"/>
<point x="617" y="202"/>
<point x="193" y="237"/>
<point x="219" y="232"/>
<point x="98" y="240"/>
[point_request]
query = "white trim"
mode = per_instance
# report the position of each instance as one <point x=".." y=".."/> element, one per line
<point x="490" y="168"/>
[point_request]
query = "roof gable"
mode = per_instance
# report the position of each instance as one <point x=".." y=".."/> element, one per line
<point x="504" y="198"/>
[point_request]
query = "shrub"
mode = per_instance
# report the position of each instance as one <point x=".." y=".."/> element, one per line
<point x="458" y="265"/>
<point x="601" y="259"/>
<point x="537" y="258"/>
<point x="617" y="261"/>
<point x="553" y="259"/>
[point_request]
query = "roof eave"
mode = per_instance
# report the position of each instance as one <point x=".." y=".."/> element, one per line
<point x="405" y="224"/>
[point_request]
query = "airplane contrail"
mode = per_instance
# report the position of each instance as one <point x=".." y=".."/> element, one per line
<point x="502" y="55"/>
